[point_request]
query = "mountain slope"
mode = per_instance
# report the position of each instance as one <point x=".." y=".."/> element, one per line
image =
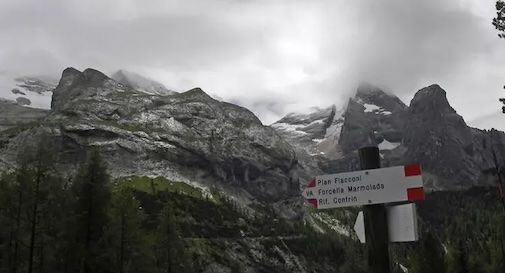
<point x="448" y="147"/>
<point x="12" y="115"/>
<point x="372" y="116"/>
<point x="316" y="132"/>
<point x="429" y="131"/>
<point x="185" y="137"/>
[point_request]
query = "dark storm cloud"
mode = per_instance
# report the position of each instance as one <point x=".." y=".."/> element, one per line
<point x="271" y="56"/>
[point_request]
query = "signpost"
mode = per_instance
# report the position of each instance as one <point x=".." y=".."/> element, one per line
<point x="372" y="187"/>
<point x="376" y="229"/>
<point x="366" y="187"/>
<point x="401" y="220"/>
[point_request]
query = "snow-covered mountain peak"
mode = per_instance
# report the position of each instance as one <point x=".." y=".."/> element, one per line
<point x="30" y="91"/>
<point x="316" y="132"/>
<point x="375" y="100"/>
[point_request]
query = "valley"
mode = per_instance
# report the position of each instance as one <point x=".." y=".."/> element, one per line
<point x="226" y="187"/>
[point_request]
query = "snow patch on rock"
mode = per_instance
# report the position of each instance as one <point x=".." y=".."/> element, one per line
<point x="386" y="145"/>
<point x="41" y="100"/>
<point x="371" y="107"/>
<point x="292" y="128"/>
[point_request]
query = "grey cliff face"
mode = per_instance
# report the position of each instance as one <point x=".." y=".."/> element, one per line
<point x="372" y="117"/>
<point x="75" y="85"/>
<point x="316" y="132"/>
<point x="438" y="138"/>
<point x="314" y="137"/>
<point x="429" y="131"/>
<point x="187" y="137"/>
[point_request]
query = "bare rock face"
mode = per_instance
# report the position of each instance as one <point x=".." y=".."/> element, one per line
<point x="314" y="137"/>
<point x="75" y="85"/>
<point x="16" y="91"/>
<point x="186" y="137"/>
<point x="438" y="138"/>
<point x="429" y="131"/>
<point x="316" y="132"/>
<point x="372" y="117"/>
<point x="23" y="101"/>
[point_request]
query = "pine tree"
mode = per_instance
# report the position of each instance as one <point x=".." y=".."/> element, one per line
<point x="8" y="202"/>
<point x="127" y="217"/>
<point x="458" y="258"/>
<point x="429" y="256"/>
<point x="93" y="197"/>
<point x="172" y="252"/>
<point x="22" y="181"/>
<point x="499" y="20"/>
<point x="498" y="253"/>
<point x="41" y="164"/>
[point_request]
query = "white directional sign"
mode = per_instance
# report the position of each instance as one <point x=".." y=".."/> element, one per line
<point x="366" y="187"/>
<point x="402" y="224"/>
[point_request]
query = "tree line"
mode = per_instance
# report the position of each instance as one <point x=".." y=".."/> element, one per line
<point x="53" y="223"/>
<point x="87" y="222"/>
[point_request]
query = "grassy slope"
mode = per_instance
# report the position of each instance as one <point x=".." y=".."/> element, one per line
<point x="216" y="230"/>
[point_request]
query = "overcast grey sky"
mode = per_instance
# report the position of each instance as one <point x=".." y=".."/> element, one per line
<point x="271" y="56"/>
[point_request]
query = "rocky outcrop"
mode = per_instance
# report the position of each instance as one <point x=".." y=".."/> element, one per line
<point x="429" y="131"/>
<point x="75" y="85"/>
<point x="314" y="136"/>
<point x="185" y="137"/>
<point x="438" y="138"/>
<point x="316" y="132"/>
<point x="23" y="101"/>
<point x="372" y="117"/>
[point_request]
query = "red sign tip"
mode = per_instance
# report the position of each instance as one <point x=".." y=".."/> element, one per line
<point x="412" y="169"/>
<point x="414" y="194"/>
<point x="312" y="183"/>
<point x="313" y="202"/>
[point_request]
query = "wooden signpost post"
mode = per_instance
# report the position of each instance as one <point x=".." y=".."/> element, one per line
<point x="372" y="188"/>
<point x="375" y="217"/>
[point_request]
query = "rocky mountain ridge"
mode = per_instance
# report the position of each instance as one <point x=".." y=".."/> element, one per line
<point x="428" y="131"/>
<point x="188" y="137"/>
<point x="194" y="138"/>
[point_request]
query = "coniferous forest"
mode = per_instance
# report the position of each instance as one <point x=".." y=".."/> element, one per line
<point x="90" y="222"/>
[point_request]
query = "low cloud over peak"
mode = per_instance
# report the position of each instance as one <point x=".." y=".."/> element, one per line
<point x="271" y="56"/>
